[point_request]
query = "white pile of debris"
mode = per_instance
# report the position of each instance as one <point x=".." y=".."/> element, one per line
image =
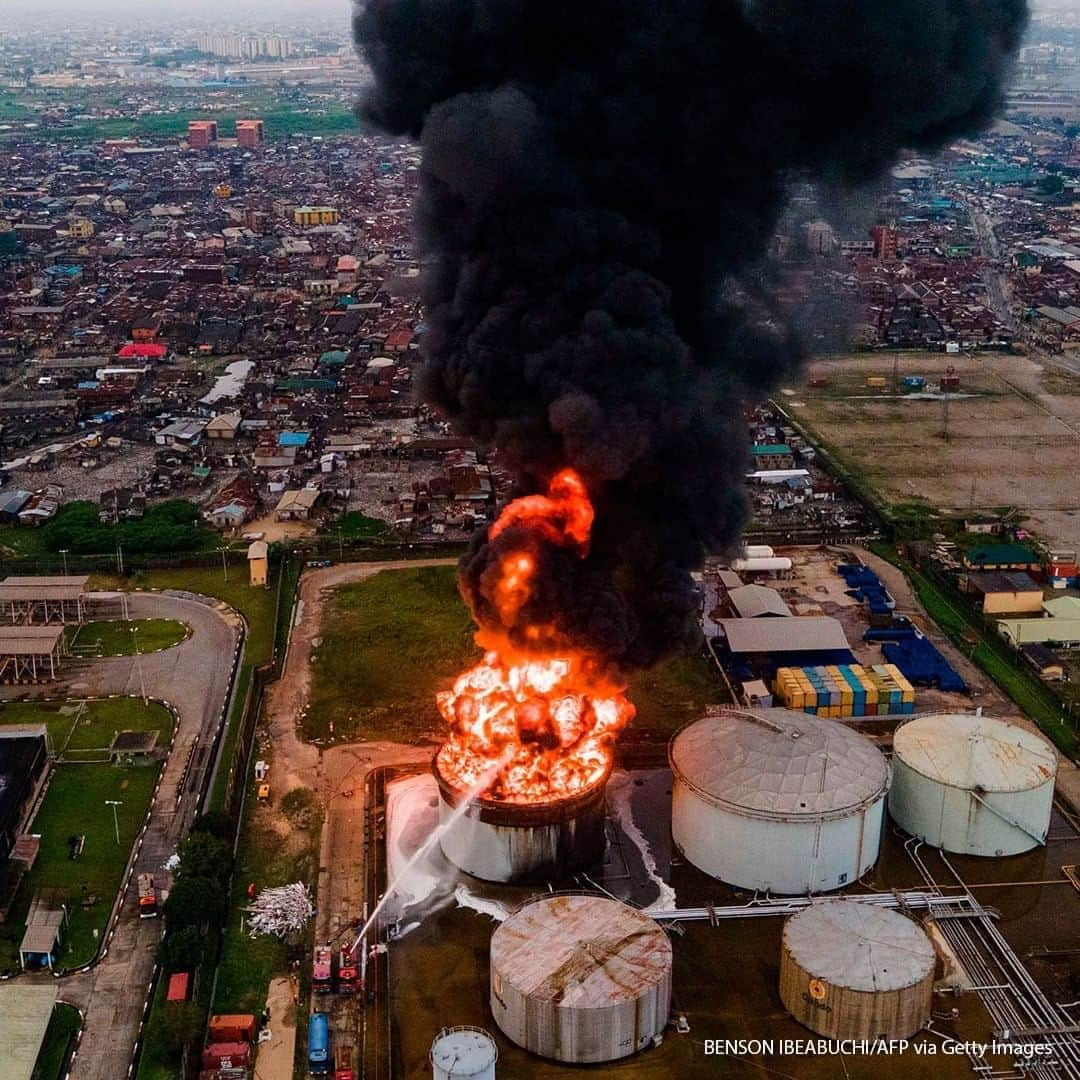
<point x="280" y="911"/>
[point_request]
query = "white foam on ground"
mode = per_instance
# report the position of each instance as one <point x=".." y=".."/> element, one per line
<point x="412" y="815"/>
<point x="480" y="904"/>
<point x="620" y="788"/>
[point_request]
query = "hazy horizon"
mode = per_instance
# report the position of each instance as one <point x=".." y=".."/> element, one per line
<point x="172" y="11"/>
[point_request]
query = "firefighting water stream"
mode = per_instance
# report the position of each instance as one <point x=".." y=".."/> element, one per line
<point x="482" y="785"/>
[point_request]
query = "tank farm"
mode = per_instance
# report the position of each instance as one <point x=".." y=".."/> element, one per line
<point x="596" y="888"/>
<point x="814" y="833"/>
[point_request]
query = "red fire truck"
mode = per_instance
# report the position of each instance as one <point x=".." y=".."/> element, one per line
<point x="348" y="977"/>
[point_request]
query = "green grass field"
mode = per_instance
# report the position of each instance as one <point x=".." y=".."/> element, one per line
<point x="89" y="725"/>
<point x="247" y="964"/>
<point x="63" y="1026"/>
<point x="388" y="644"/>
<point x="391" y="642"/>
<point x="75" y="805"/>
<point x="125" y="637"/>
<point x="674" y="693"/>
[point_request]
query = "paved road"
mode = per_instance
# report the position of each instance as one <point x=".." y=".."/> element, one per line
<point x="194" y="677"/>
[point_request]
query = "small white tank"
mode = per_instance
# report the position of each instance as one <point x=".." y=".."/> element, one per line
<point x="972" y="784"/>
<point x="463" y="1052"/>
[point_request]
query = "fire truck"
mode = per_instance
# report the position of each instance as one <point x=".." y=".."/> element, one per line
<point x="148" y="908"/>
<point x="322" y="981"/>
<point x="348" y="979"/>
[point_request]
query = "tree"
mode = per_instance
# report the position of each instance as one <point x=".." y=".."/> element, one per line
<point x="182" y="1025"/>
<point x="1051" y="184"/>
<point x="214" y="822"/>
<point x="204" y="856"/>
<point x="182" y="951"/>
<point x="195" y="901"/>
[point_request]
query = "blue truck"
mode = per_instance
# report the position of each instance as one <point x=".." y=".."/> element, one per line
<point x="319" y="1044"/>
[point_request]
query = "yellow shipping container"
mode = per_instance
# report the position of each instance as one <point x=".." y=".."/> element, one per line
<point x="846" y="710"/>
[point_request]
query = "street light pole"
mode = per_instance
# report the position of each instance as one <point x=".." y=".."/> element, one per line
<point x="114" y="803"/>
<point x="64" y="553"/>
<point x="138" y="663"/>
<point x="224" y="564"/>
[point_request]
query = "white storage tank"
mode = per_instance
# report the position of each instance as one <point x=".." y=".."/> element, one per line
<point x="580" y="979"/>
<point x="851" y="970"/>
<point x="463" y="1052"/>
<point x="777" y="801"/>
<point x="972" y="784"/>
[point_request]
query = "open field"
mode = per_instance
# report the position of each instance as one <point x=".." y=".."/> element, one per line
<point x="1010" y="437"/>
<point x="391" y="642"/>
<point x="74" y="805"/>
<point x="125" y="637"/>
<point x="89" y="725"/>
<point x="387" y="645"/>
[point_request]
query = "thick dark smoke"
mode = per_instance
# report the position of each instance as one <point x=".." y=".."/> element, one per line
<point x="600" y="178"/>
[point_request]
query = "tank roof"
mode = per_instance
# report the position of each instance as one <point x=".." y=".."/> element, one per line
<point x="776" y="763"/>
<point x="463" y="1051"/>
<point x="580" y="952"/>
<point x="975" y="752"/>
<point x="859" y="946"/>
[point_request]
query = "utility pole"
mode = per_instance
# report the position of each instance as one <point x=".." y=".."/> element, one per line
<point x="120" y="560"/>
<point x="224" y="564"/>
<point x="945" y="429"/>
<point x="138" y="663"/>
<point x="114" y="803"/>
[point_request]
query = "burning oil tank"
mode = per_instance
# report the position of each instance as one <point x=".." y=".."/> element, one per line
<point x="777" y="801"/>
<point x="972" y="784"/>
<point x="463" y="1053"/>
<point x="851" y="970"/>
<point x="580" y="979"/>
<point x="521" y="842"/>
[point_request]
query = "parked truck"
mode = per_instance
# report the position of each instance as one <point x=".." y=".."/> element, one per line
<point x="148" y="907"/>
<point x="322" y="976"/>
<point x="348" y="980"/>
<point x="319" y="1044"/>
<point x="343" y="1060"/>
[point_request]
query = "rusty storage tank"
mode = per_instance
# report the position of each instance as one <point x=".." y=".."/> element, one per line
<point x="496" y="840"/>
<point x="972" y="784"/>
<point x="580" y="979"/>
<point x="777" y="801"/>
<point x="463" y="1053"/>
<point x="851" y="970"/>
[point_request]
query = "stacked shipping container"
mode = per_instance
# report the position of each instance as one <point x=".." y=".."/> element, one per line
<point x="846" y="690"/>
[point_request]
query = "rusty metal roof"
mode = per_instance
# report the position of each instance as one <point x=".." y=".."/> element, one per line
<point x="975" y="752"/>
<point x="580" y="952"/>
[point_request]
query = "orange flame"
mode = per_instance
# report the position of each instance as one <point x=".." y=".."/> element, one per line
<point x="548" y="722"/>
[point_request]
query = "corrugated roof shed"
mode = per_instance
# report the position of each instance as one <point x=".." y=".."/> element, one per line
<point x="753" y="601"/>
<point x="813" y="633"/>
<point x="24" y="1016"/>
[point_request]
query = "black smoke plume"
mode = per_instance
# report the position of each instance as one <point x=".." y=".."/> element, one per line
<point x="600" y="179"/>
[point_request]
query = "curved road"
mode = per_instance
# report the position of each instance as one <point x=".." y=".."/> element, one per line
<point x="195" y="678"/>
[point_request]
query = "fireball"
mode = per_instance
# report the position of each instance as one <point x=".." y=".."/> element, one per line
<point x="543" y="723"/>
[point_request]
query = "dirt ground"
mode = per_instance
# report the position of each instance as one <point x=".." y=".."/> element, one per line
<point x="272" y="529"/>
<point x="274" y="1058"/>
<point x="338" y="777"/>
<point x="1013" y="433"/>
